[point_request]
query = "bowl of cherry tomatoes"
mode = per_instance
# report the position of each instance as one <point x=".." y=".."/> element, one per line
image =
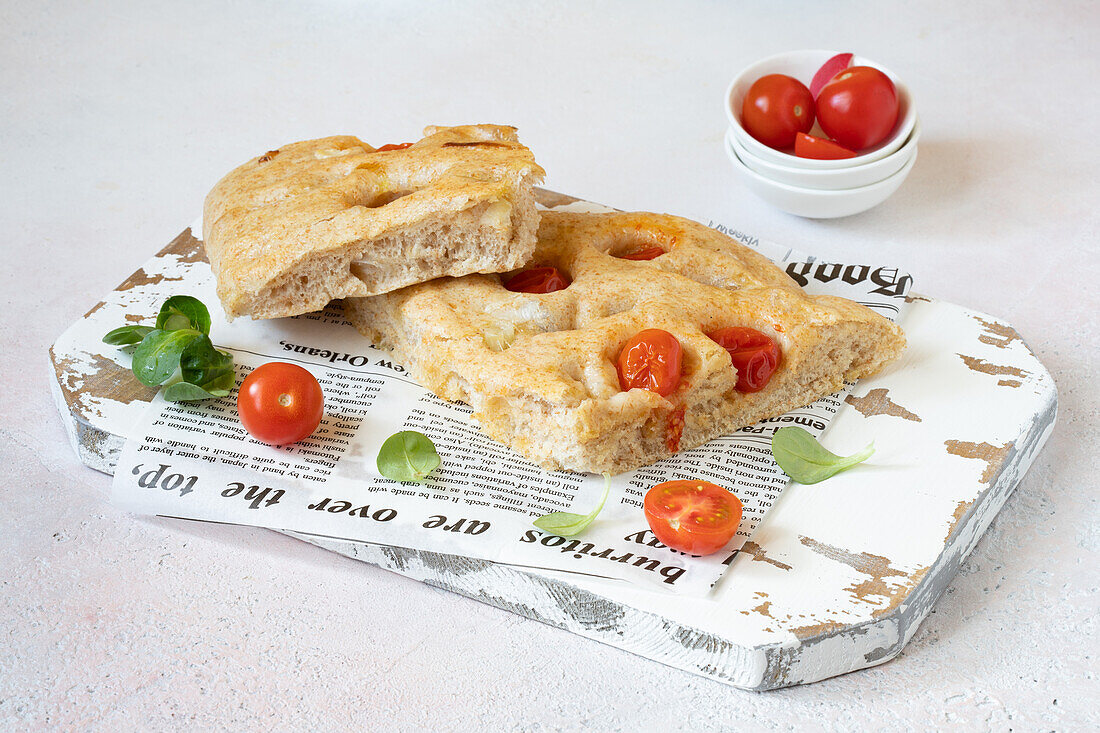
<point x="806" y="123"/>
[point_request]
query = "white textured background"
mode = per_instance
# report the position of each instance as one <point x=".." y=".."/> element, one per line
<point x="116" y="118"/>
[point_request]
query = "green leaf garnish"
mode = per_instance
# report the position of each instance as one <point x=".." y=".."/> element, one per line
<point x="203" y="365"/>
<point x="178" y="351"/>
<point x="158" y="355"/>
<point x="407" y="456"/>
<point x="182" y="312"/>
<point x="127" y="335"/>
<point x="185" y="391"/>
<point x="567" y="524"/>
<point x="803" y="459"/>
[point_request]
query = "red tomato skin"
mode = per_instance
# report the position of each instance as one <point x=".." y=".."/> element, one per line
<point x="261" y="409"/>
<point x="649" y="253"/>
<point x="818" y="148"/>
<point x="696" y="517"/>
<point x="828" y="70"/>
<point x="858" y="107"/>
<point x="392" y="146"/>
<point x="755" y="355"/>
<point x="674" y="430"/>
<point x="775" y="108"/>
<point x="537" y="280"/>
<point x="652" y="360"/>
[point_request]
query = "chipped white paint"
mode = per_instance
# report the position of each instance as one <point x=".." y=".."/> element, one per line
<point x="843" y="571"/>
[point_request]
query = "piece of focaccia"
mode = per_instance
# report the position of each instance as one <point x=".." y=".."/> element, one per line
<point x="540" y="370"/>
<point x="313" y="221"/>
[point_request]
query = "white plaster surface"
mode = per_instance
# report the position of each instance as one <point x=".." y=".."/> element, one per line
<point x="116" y="118"/>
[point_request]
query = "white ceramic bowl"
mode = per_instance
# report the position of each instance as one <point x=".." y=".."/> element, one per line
<point x="802" y="65"/>
<point x="830" y="179"/>
<point x="814" y="203"/>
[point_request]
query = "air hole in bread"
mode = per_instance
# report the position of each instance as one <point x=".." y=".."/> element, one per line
<point x="707" y="273"/>
<point x="381" y="198"/>
<point x="366" y="271"/>
<point x="641" y="244"/>
<point x="537" y="279"/>
<point x="589" y="310"/>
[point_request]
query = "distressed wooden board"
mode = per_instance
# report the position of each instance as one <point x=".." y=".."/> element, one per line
<point x="838" y="575"/>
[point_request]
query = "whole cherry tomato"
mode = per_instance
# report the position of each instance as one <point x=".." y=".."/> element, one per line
<point x="280" y="403"/>
<point x="755" y="356"/>
<point x="649" y="253"/>
<point x="808" y="146"/>
<point x="392" y="146"/>
<point x="651" y="360"/>
<point x="777" y="107"/>
<point x="696" y="517"/>
<point x="858" y="107"/>
<point x="537" y="280"/>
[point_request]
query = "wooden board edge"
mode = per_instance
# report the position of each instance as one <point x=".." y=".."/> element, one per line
<point x="897" y="625"/>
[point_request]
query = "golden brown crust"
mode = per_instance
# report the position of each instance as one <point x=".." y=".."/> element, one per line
<point x="283" y="230"/>
<point x="554" y="395"/>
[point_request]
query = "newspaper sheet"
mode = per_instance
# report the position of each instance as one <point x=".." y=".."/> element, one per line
<point x="195" y="461"/>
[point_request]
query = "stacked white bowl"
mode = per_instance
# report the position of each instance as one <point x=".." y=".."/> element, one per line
<point x="819" y="189"/>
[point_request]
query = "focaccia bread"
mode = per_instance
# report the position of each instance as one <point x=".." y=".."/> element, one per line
<point x="314" y="221"/>
<point x="540" y="372"/>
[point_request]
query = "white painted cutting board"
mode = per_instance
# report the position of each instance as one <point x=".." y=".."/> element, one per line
<point x="838" y="575"/>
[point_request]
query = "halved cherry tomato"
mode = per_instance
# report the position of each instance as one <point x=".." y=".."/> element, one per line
<point x="858" y="107"/>
<point x="280" y="403"/>
<point x="808" y="146"/>
<point x="649" y="253"/>
<point x="392" y="146"/>
<point x="651" y="360"/>
<point x="696" y="517"/>
<point x="537" y="280"/>
<point x="755" y="356"/>
<point x="775" y="108"/>
<point x="828" y="70"/>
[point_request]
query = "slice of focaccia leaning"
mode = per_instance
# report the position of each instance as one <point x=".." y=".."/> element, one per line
<point x="298" y="227"/>
<point x="541" y="369"/>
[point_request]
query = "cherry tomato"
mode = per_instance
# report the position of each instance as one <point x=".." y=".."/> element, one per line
<point x="651" y="360"/>
<point x="696" y="517"/>
<point x="808" y="146"/>
<point x="392" y="146"/>
<point x="858" y="107"/>
<point x="280" y="403"/>
<point x="649" y="253"/>
<point x="775" y="108"/>
<point x="755" y="356"/>
<point x="537" y="280"/>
